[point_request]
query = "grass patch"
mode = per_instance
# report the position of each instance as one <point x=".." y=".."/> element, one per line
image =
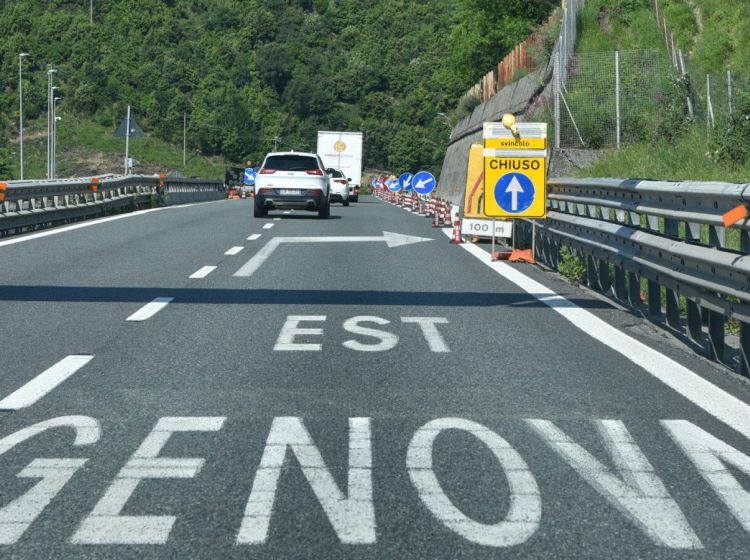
<point x="85" y="148"/>
<point x="608" y="25"/>
<point x="686" y="158"/>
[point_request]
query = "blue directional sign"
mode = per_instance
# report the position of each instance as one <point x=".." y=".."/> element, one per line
<point x="249" y="177"/>
<point x="406" y="182"/>
<point x="374" y="182"/>
<point x="393" y="185"/>
<point x="424" y="183"/>
<point x="514" y="192"/>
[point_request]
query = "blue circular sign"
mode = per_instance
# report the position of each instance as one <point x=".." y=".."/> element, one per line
<point x="406" y="182"/>
<point x="514" y="192"/>
<point x="374" y="182"/>
<point x="424" y="183"/>
<point x="393" y="185"/>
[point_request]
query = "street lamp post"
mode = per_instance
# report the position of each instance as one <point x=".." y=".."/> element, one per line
<point x="20" y="107"/>
<point x="53" y="89"/>
<point x="49" y="121"/>
<point x="446" y="120"/>
<point x="54" y="134"/>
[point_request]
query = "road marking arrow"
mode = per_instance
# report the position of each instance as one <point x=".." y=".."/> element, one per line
<point x="514" y="188"/>
<point x="391" y="240"/>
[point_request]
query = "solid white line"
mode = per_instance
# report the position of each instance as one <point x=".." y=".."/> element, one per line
<point x="234" y="250"/>
<point x="203" y="272"/>
<point x="268" y="226"/>
<point x="253" y="237"/>
<point x="98" y="221"/>
<point x="258" y="259"/>
<point x="44" y="382"/>
<point x="717" y="402"/>
<point x="150" y="309"/>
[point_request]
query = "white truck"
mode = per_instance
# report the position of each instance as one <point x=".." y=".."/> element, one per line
<point x="343" y="151"/>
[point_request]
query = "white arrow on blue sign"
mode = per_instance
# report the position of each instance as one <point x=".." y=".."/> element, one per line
<point x="249" y="178"/>
<point x="423" y="183"/>
<point x="406" y="182"/>
<point x="393" y="185"/>
<point x="514" y="192"/>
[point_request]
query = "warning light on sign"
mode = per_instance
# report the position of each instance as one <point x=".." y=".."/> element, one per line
<point x="509" y="122"/>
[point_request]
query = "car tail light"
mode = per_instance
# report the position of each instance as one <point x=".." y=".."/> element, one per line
<point x="356" y="190"/>
<point x="266" y="171"/>
<point x="314" y="192"/>
<point x="314" y="172"/>
<point x="264" y="191"/>
<point x="340" y="181"/>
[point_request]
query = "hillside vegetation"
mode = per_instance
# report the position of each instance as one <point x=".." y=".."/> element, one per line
<point x="715" y="37"/>
<point x="248" y="71"/>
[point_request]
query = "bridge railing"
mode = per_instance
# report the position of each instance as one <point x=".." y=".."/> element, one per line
<point x="663" y="247"/>
<point x="26" y="205"/>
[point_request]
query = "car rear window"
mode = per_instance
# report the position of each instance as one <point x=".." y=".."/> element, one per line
<point x="334" y="173"/>
<point x="291" y="163"/>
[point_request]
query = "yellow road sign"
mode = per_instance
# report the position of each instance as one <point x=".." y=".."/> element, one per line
<point x="516" y="143"/>
<point x="515" y="187"/>
<point x="474" y="193"/>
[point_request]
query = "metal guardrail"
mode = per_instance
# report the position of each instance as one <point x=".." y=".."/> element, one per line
<point x="662" y="246"/>
<point x="28" y="205"/>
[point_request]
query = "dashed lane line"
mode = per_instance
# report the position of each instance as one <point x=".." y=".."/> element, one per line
<point x="203" y="272"/>
<point x="268" y="226"/>
<point x="253" y="237"/>
<point x="150" y="309"/>
<point x="234" y="250"/>
<point x="44" y="382"/>
<point x="701" y="392"/>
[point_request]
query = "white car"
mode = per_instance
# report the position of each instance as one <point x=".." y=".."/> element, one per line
<point x="339" y="186"/>
<point x="292" y="180"/>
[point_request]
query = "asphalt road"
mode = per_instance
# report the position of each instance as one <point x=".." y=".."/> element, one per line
<point x="345" y="398"/>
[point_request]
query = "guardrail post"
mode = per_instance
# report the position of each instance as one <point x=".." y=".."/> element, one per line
<point x="671" y="228"/>
<point x="620" y="291"/>
<point x="744" y="368"/>
<point x="716" y="336"/>
<point x="591" y="272"/>
<point x="604" y="280"/>
<point x="694" y="322"/>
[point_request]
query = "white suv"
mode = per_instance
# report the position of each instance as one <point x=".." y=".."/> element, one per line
<point x="292" y="180"/>
<point x="339" y="186"/>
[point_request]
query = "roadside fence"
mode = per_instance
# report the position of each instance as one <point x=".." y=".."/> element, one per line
<point x="30" y="205"/>
<point x="669" y="248"/>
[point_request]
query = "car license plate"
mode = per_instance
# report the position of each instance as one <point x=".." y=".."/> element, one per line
<point x="296" y="192"/>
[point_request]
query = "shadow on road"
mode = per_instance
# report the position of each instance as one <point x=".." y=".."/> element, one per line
<point x="75" y="294"/>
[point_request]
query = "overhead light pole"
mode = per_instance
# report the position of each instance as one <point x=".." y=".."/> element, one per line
<point x="446" y="120"/>
<point x="49" y="121"/>
<point x="184" y="140"/>
<point x="54" y="135"/>
<point x="20" y="107"/>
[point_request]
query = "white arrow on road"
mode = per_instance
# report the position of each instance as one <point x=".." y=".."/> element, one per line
<point x="391" y="239"/>
<point x="514" y="188"/>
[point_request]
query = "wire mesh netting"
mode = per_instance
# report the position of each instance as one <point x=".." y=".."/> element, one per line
<point x="715" y="96"/>
<point x="612" y="97"/>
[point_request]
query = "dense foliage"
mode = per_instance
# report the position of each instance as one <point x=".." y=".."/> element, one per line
<point x="247" y="71"/>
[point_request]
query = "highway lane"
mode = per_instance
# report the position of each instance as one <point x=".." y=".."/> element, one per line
<point x="460" y="365"/>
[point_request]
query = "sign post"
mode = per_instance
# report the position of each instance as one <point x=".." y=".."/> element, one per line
<point x="515" y="172"/>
